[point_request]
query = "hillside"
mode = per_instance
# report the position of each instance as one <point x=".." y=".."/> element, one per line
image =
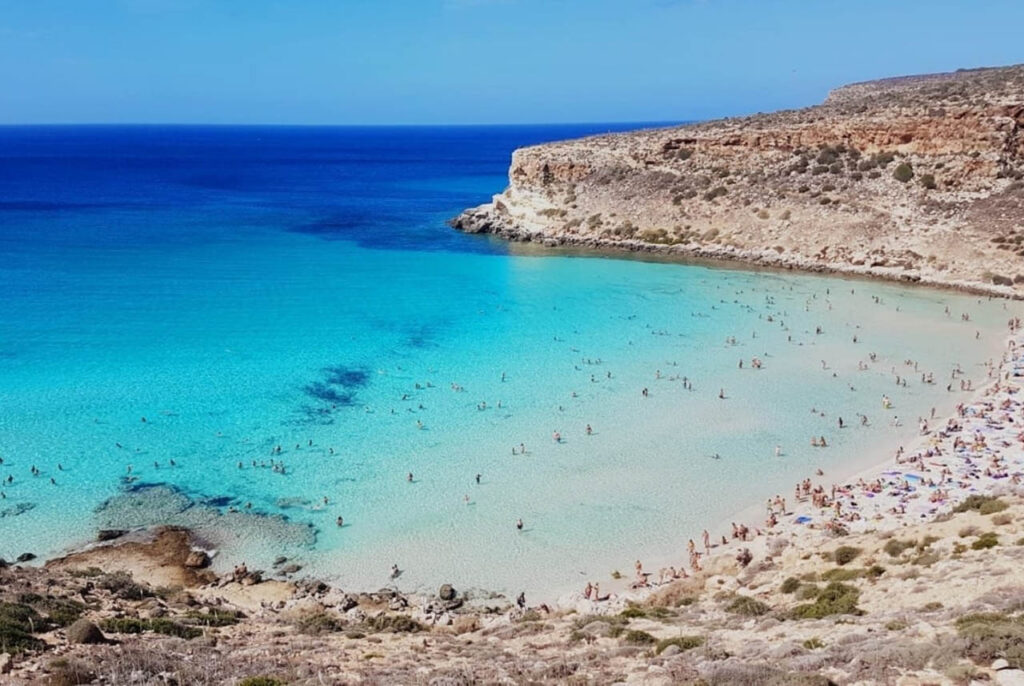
<point x="913" y="178"/>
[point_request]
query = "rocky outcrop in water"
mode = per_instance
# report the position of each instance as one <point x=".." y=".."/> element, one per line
<point x="914" y="178"/>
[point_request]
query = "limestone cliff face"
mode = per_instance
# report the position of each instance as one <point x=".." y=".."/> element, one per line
<point x="913" y="178"/>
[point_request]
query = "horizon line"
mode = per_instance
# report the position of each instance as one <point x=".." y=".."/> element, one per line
<point x="666" y="122"/>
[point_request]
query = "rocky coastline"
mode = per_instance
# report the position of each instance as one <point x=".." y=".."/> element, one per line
<point x="917" y="179"/>
<point x="907" y="575"/>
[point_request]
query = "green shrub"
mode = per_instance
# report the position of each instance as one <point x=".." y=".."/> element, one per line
<point x="813" y="643"/>
<point x="987" y="540"/>
<point x="790" y="585"/>
<point x="17" y="624"/>
<point x="633" y="612"/>
<point x="684" y="643"/>
<point x="160" y="625"/>
<point x="896" y="625"/>
<point x="992" y="506"/>
<point x="903" y="172"/>
<point x="60" y="611"/>
<point x="895" y="548"/>
<point x="638" y="638"/>
<point x="316" y="623"/>
<point x="992" y="635"/>
<point x="928" y="181"/>
<point x="976" y="502"/>
<point x="834" y="599"/>
<point x="808" y="592"/>
<point x="651" y="612"/>
<point x="845" y="554"/>
<point x="261" y="681"/>
<point x="840" y="574"/>
<point x="750" y="607"/>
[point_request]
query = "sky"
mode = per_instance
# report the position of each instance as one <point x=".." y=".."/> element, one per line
<point x="471" y="61"/>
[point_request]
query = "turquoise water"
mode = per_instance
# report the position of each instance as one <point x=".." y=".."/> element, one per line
<point x="315" y="301"/>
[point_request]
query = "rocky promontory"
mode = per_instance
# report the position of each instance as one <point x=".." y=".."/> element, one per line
<point x="915" y="178"/>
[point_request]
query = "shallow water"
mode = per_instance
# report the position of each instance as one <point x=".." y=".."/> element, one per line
<point x="243" y="289"/>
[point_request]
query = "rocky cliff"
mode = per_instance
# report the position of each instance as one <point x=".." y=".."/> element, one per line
<point x="915" y="178"/>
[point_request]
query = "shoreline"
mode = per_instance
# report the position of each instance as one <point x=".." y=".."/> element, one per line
<point x="725" y="257"/>
<point x="803" y="518"/>
<point x="132" y="554"/>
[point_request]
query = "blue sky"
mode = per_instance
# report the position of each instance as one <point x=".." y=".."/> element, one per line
<point x="470" y="61"/>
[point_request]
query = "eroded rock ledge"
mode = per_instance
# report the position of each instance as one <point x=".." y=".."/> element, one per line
<point x="915" y="179"/>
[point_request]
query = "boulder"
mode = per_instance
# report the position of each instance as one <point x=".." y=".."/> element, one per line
<point x="197" y="559"/>
<point x="1010" y="677"/>
<point x="26" y="557"/>
<point x="348" y="602"/>
<point x="447" y="592"/>
<point x="6" y="661"/>
<point x="110" y="534"/>
<point x="84" y="631"/>
<point x="290" y="569"/>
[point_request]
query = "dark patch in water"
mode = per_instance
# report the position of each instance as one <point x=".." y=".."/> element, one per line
<point x="138" y="487"/>
<point x="219" y="501"/>
<point x="346" y="377"/>
<point x="20" y="508"/>
<point x="324" y="392"/>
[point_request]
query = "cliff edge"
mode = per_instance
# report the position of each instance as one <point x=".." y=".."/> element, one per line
<point x="915" y="178"/>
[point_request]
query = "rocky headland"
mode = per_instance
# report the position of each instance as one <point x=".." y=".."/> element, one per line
<point x="917" y="179"/>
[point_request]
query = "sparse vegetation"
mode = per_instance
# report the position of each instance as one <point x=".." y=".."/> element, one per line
<point x="987" y="540"/>
<point x="634" y="637"/>
<point x="993" y="635"/>
<point x="17" y="624"/>
<point x="845" y="555"/>
<point x="160" y="625"/>
<point x="903" y="172"/>
<point x="835" y="599"/>
<point x="790" y="585"/>
<point x="894" y="547"/>
<point x="747" y="606"/>
<point x="682" y="642"/>
<point x="985" y="504"/>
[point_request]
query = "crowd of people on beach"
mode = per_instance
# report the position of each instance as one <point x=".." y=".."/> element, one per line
<point x="980" y="445"/>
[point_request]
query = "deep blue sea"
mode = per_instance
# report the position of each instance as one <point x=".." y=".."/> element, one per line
<point x="255" y="331"/>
